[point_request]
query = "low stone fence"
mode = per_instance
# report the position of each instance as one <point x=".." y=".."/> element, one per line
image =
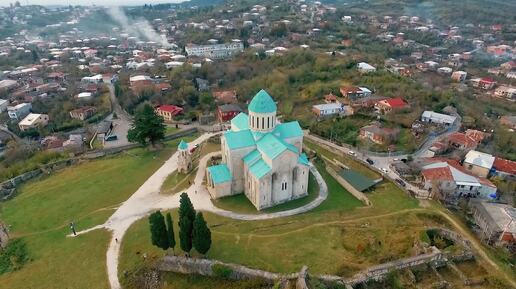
<point x="357" y="194"/>
<point x="207" y="267"/>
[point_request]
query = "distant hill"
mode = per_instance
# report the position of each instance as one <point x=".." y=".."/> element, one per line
<point x="442" y="11"/>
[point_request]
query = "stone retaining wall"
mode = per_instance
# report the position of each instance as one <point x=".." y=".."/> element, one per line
<point x="357" y="194"/>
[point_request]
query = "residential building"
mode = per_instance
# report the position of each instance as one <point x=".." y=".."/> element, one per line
<point x="83" y="113"/>
<point x="438" y="118"/>
<point x="225" y="96"/>
<point x="365" y="67"/>
<point x="509" y="121"/>
<point x="391" y="104"/>
<point x="227" y="112"/>
<point x="328" y="109"/>
<point x="449" y="181"/>
<point x="168" y="112"/>
<point x="379" y="135"/>
<point x="354" y="92"/>
<point x="462" y="141"/>
<point x="7" y="84"/>
<point x="33" y="120"/>
<point x="506" y="92"/>
<point x="19" y="111"/>
<point x="215" y="51"/>
<point x="503" y="168"/>
<point x="485" y="83"/>
<point x="459" y="76"/>
<point x="261" y="157"/>
<point x="478" y="163"/>
<point x="96" y="79"/>
<point x="497" y="222"/>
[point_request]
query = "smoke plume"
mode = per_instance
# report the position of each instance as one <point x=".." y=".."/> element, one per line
<point x="140" y="28"/>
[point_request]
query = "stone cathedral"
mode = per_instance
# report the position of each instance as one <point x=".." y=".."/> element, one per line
<point x="261" y="157"/>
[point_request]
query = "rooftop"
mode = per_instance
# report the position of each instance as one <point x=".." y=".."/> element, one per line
<point x="262" y="102"/>
<point x="220" y="174"/>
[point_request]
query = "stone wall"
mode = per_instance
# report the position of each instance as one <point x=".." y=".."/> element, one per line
<point x="204" y="267"/>
<point x="357" y="194"/>
<point x="4" y="236"/>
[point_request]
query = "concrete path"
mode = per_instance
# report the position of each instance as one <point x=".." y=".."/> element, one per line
<point x="148" y="199"/>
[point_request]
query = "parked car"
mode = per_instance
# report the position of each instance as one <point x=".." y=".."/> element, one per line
<point x="111" y="137"/>
<point x="384" y="170"/>
<point x="351" y="153"/>
<point x="401" y="182"/>
<point x="369" y="161"/>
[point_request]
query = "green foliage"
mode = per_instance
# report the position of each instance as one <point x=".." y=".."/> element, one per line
<point x="221" y="271"/>
<point x="186" y="222"/>
<point x="148" y="127"/>
<point x="158" y="229"/>
<point x="14" y="256"/>
<point x="170" y="231"/>
<point x="201" y="234"/>
<point x="424" y="237"/>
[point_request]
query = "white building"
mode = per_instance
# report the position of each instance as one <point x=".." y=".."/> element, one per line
<point x="328" y="109"/>
<point x="215" y="51"/>
<point x="92" y="79"/>
<point x="19" y="111"/>
<point x="365" y="67"/>
<point x="33" y="120"/>
<point x="261" y="158"/>
<point x="439" y="118"/>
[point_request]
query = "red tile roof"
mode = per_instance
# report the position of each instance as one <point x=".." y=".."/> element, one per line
<point x="462" y="139"/>
<point x="505" y="166"/>
<point x="175" y="110"/>
<point x="397" y="102"/>
<point x="437" y="174"/>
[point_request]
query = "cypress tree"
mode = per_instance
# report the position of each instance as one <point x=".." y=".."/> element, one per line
<point x="186" y="220"/>
<point x="158" y="230"/>
<point x="201" y="234"/>
<point x="170" y="232"/>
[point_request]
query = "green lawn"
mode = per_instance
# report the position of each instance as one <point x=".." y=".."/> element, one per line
<point x="87" y="194"/>
<point x="341" y="230"/>
<point x="241" y="204"/>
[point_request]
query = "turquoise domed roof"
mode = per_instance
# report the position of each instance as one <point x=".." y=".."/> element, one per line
<point x="262" y="102"/>
<point x="183" y="145"/>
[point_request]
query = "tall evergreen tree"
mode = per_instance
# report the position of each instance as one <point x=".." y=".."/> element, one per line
<point x="148" y="127"/>
<point x="170" y="232"/>
<point x="201" y="234"/>
<point x="186" y="220"/>
<point x="158" y="230"/>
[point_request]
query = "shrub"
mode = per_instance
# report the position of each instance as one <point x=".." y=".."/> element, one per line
<point x="221" y="271"/>
<point x="14" y="256"/>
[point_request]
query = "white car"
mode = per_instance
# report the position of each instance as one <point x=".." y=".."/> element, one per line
<point x="384" y="170"/>
<point x="351" y="153"/>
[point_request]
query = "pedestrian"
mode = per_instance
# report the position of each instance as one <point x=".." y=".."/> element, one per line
<point x="116" y="240"/>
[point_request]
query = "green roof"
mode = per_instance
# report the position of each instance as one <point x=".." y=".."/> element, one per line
<point x="240" y="122"/>
<point x="182" y="145"/>
<point x="288" y="130"/>
<point x="239" y="139"/>
<point x="262" y="102"/>
<point x="252" y="157"/>
<point x="272" y="146"/>
<point x="303" y="159"/>
<point x="259" y="169"/>
<point x="358" y="181"/>
<point x="220" y="174"/>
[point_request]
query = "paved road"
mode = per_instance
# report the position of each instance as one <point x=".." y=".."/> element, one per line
<point x="121" y="124"/>
<point x="148" y="199"/>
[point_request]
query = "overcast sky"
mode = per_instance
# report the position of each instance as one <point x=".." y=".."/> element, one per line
<point x="88" y="2"/>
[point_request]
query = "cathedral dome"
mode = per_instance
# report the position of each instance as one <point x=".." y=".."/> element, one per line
<point x="262" y="102"/>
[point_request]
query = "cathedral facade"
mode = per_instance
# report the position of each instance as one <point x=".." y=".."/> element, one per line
<point x="261" y="157"/>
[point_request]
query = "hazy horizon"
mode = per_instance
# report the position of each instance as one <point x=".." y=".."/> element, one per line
<point x="88" y="2"/>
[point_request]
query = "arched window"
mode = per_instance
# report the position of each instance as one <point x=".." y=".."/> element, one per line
<point x="263" y="123"/>
<point x="268" y="122"/>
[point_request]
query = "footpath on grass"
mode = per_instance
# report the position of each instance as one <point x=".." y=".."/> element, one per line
<point x="148" y="199"/>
